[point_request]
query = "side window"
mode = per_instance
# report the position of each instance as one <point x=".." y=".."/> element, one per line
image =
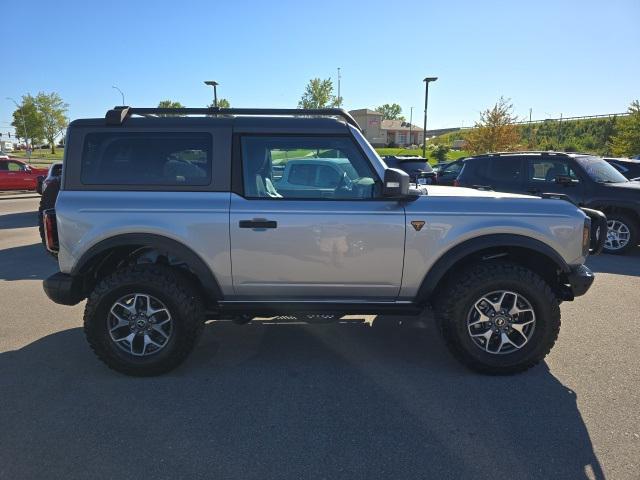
<point x="505" y="169"/>
<point x="147" y="159"/>
<point x="545" y="170"/>
<point x="4" y="166"/>
<point x="305" y="168"/>
<point x="14" y="167"/>
<point x="453" y="169"/>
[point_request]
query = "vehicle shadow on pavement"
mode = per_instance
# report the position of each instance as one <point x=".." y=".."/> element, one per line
<point x="17" y="263"/>
<point x="628" y="264"/>
<point x="281" y="400"/>
<point x="18" y="220"/>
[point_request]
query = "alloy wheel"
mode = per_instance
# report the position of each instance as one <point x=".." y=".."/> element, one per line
<point x="501" y="322"/>
<point x="139" y="324"/>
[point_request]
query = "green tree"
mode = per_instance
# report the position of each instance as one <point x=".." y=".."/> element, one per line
<point x="391" y="111"/>
<point x="319" y="94"/>
<point x="627" y="140"/>
<point x="27" y="120"/>
<point x="440" y="153"/>
<point x="53" y="112"/>
<point x="169" y="104"/>
<point x="222" y="103"/>
<point x="495" y="131"/>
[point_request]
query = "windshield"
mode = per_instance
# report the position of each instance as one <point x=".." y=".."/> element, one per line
<point x="599" y="170"/>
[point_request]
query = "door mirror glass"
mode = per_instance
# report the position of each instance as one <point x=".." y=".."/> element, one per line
<point x="396" y="183"/>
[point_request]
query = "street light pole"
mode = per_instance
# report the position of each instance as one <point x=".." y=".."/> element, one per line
<point x="213" y="84"/>
<point x="24" y="124"/>
<point x="121" y="94"/>
<point x="339" y="98"/>
<point x="426" y="81"/>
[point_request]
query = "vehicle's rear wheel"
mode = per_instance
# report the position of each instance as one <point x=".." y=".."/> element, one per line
<point x="498" y="318"/>
<point x="143" y="320"/>
<point x="622" y="233"/>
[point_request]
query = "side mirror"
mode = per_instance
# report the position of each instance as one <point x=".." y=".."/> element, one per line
<point x="564" y="180"/>
<point x="27" y="169"/>
<point x="396" y="184"/>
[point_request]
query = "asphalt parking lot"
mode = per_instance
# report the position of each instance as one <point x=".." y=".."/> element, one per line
<point x="363" y="398"/>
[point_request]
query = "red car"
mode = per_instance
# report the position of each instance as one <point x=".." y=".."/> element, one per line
<point x="17" y="175"/>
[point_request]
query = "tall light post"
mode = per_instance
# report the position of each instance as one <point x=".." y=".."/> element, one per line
<point x="426" y="81"/>
<point x="339" y="98"/>
<point x="213" y="84"/>
<point x="121" y="94"/>
<point x="24" y="124"/>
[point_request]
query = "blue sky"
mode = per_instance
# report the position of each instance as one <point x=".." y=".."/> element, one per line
<point x="569" y="57"/>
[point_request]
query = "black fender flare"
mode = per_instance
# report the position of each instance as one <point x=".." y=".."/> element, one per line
<point x="443" y="265"/>
<point x="161" y="243"/>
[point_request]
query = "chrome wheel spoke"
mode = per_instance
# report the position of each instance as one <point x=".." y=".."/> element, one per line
<point x="139" y="324"/>
<point x="495" y="317"/>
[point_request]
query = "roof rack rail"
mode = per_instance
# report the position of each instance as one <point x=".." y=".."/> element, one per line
<point x="119" y="114"/>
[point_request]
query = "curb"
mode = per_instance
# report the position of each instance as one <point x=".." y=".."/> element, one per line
<point x="19" y="196"/>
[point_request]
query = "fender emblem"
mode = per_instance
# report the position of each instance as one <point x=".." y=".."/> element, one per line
<point x="417" y="224"/>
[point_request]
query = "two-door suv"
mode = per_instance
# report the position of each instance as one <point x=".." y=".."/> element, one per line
<point x="168" y="218"/>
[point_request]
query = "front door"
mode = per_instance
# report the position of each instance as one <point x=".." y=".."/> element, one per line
<point x="334" y="240"/>
<point x="543" y="174"/>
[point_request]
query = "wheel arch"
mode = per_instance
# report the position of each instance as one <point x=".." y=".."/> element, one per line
<point x="530" y="252"/>
<point x="104" y="256"/>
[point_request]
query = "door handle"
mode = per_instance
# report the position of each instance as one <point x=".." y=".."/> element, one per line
<point x="258" y="223"/>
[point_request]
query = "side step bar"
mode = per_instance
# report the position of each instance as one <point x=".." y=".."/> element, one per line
<point x="288" y="307"/>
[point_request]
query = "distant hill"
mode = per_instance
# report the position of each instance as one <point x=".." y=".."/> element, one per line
<point x="588" y="135"/>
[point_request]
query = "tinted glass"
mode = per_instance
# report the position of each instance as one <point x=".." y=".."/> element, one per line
<point x="599" y="170"/>
<point x="505" y="169"/>
<point x="545" y="170"/>
<point x="305" y="167"/>
<point x="162" y="159"/>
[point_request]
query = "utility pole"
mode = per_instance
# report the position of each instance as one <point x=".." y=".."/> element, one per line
<point x="426" y="81"/>
<point x="559" y="131"/>
<point x="213" y="84"/>
<point x="530" y="129"/>
<point x="339" y="97"/>
<point x="121" y="94"/>
<point x="24" y="126"/>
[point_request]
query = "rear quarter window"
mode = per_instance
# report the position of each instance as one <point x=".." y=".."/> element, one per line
<point x="147" y="159"/>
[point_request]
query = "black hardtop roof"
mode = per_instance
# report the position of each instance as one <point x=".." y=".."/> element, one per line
<point x="255" y="124"/>
<point x="243" y="118"/>
<point x="541" y="153"/>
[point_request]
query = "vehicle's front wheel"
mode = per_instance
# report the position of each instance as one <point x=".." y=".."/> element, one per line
<point x="143" y="320"/>
<point x="498" y="318"/>
<point x="622" y="233"/>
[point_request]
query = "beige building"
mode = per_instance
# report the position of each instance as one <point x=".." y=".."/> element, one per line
<point x="381" y="132"/>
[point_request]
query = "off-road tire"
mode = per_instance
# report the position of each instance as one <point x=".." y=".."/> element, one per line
<point x="467" y="286"/>
<point x="166" y="285"/>
<point x="633" y="227"/>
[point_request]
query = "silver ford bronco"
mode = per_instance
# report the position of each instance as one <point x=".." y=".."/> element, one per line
<point x="168" y="218"/>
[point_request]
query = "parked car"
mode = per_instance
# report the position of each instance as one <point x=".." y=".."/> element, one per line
<point x="55" y="171"/>
<point x="628" y="167"/>
<point x="449" y="172"/>
<point x="49" y="188"/>
<point x="586" y="180"/>
<point x="18" y="175"/>
<point x="418" y="168"/>
<point x="311" y="177"/>
<point x="158" y="248"/>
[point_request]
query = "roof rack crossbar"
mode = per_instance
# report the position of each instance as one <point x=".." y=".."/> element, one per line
<point x="118" y="115"/>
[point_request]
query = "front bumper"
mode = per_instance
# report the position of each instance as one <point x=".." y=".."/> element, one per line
<point x="580" y="279"/>
<point x="64" y="289"/>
